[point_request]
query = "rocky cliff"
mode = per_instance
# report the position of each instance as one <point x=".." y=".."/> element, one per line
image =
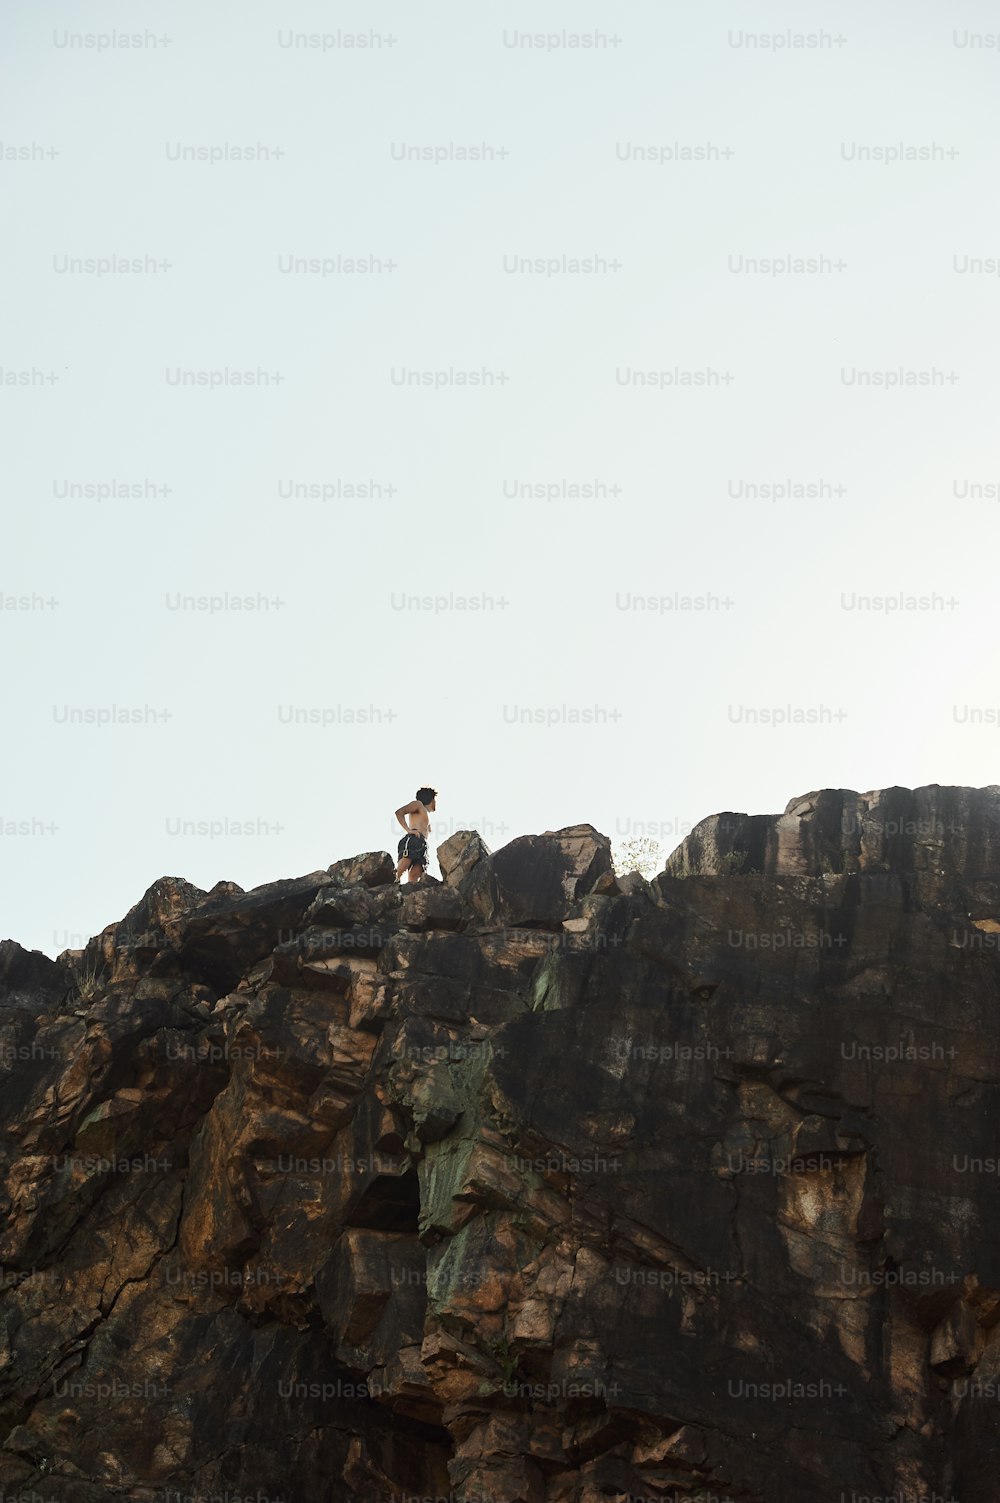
<point x="536" y="1185"/>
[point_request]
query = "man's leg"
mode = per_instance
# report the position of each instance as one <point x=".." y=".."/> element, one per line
<point x="401" y="866"/>
<point x="416" y="872"/>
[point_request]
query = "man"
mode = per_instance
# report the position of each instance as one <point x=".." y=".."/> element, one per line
<point x="412" y="850"/>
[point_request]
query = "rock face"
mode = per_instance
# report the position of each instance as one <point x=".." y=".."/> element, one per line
<point x="928" y="832"/>
<point x="531" y="1186"/>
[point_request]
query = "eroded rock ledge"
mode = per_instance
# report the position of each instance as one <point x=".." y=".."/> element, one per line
<point x="536" y="1185"/>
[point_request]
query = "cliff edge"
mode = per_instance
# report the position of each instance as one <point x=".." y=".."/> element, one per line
<point x="534" y="1185"/>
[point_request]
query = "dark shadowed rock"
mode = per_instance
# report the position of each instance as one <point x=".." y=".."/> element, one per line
<point x="934" y="832"/>
<point x="534" y="1186"/>
<point x="538" y="877"/>
<point x="224" y="935"/>
<point x="30" y="980"/>
<point x="430" y="906"/>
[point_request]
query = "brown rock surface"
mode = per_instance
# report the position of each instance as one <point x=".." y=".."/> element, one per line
<point x="525" y="1187"/>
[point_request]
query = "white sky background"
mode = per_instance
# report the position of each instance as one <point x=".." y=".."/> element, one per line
<point x="670" y="688"/>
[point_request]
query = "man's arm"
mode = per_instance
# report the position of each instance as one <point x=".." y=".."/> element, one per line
<point x="410" y="808"/>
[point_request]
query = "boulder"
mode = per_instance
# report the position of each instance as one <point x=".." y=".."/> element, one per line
<point x="459" y="854"/>
<point x="538" y="878"/>
<point x="373" y="869"/>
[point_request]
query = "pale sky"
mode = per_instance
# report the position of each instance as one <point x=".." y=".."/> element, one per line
<point x="870" y="157"/>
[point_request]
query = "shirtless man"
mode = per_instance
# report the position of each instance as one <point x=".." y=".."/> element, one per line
<point x="412" y="850"/>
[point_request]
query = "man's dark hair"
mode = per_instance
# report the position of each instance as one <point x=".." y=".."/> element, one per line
<point x="426" y="795"/>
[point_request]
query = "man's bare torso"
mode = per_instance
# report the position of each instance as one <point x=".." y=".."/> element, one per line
<point x="418" y="821"/>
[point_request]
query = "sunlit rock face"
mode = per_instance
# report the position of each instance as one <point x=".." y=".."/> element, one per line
<point x="535" y="1185"/>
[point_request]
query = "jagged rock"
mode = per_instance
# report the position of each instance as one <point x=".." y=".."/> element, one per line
<point x="340" y="907"/>
<point x="536" y="1184"/>
<point x="29" y="980"/>
<point x="373" y="869"/>
<point x="167" y="900"/>
<point x="632" y="882"/>
<point x="931" y="832"/>
<point x="459" y="854"/>
<point x="467" y="865"/>
<point x="534" y="880"/>
<point x="538" y="877"/>
<point x="372" y="1294"/>
<point x="430" y="907"/>
<point x="224" y="935"/>
<point x="957" y="1342"/>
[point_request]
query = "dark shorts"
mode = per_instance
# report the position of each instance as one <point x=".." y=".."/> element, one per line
<point x="414" y="846"/>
